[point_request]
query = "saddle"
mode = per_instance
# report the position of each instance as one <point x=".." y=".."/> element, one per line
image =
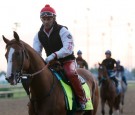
<point x="57" y="66"/>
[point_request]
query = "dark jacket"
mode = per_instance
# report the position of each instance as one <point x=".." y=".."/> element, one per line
<point x="109" y="63"/>
<point x="81" y="62"/>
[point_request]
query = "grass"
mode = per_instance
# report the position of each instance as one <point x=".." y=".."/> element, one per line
<point x="131" y="85"/>
<point x="18" y="92"/>
<point x="19" y="95"/>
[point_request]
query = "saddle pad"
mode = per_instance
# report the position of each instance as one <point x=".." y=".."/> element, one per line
<point x="69" y="96"/>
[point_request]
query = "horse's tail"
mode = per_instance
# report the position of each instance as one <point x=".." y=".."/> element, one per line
<point x="95" y="96"/>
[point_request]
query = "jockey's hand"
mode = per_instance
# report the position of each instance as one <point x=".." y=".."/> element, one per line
<point x="114" y="68"/>
<point x="50" y="58"/>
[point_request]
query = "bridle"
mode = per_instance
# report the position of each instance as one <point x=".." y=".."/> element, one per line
<point x="21" y="73"/>
<point x="103" y="78"/>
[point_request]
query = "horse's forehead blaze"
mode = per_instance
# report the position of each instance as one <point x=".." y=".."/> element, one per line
<point x="10" y="53"/>
<point x="9" y="59"/>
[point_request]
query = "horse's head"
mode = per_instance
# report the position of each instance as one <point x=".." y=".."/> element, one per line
<point x="102" y="72"/>
<point x="17" y="59"/>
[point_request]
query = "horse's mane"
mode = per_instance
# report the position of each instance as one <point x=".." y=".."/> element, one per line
<point x="31" y="49"/>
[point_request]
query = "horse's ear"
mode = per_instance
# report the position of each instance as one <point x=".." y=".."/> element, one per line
<point x="5" y="39"/>
<point x="16" y="36"/>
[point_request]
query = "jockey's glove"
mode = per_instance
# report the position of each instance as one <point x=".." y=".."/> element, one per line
<point x="50" y="58"/>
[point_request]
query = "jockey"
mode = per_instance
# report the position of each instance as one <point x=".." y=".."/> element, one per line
<point x="110" y="65"/>
<point x="120" y="68"/>
<point x="81" y="63"/>
<point x="58" y="44"/>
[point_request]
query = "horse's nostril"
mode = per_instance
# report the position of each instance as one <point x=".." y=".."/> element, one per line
<point x="7" y="78"/>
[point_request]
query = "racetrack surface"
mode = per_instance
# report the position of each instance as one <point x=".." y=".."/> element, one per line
<point x="19" y="106"/>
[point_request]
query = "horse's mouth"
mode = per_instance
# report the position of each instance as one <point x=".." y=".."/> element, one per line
<point x="13" y="83"/>
<point x="11" y="80"/>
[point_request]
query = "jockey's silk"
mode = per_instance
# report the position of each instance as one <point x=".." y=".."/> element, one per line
<point x="69" y="96"/>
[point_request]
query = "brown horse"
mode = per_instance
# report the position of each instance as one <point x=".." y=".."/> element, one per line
<point x="46" y="94"/>
<point x="108" y="92"/>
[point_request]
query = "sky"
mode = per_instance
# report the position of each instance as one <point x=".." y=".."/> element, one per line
<point x="96" y="25"/>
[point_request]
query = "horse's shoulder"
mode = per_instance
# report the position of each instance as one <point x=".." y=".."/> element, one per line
<point x="83" y="71"/>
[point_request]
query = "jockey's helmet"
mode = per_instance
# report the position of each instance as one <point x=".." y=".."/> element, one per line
<point x="47" y="11"/>
<point x="108" y="52"/>
<point x="118" y="61"/>
<point x="79" y="52"/>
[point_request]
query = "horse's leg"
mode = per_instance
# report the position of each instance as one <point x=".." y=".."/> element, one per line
<point x="117" y="104"/>
<point x="124" y="88"/>
<point x="103" y="107"/>
<point x="122" y="103"/>
<point x="110" y="103"/>
<point x="30" y="109"/>
<point x="111" y="110"/>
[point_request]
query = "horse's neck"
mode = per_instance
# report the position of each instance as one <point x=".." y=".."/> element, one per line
<point x="42" y="81"/>
<point x="107" y="81"/>
<point x="36" y="62"/>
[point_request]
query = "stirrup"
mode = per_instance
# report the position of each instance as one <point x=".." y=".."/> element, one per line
<point x="83" y="106"/>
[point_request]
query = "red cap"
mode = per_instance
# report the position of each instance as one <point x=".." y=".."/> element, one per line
<point x="47" y="8"/>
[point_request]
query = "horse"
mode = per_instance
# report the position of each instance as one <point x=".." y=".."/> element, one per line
<point x="119" y="76"/>
<point x="108" y="92"/>
<point x="46" y="94"/>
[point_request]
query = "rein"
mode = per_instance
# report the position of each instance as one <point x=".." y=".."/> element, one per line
<point x="102" y="79"/>
<point x="32" y="75"/>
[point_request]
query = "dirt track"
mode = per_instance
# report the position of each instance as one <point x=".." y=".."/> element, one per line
<point x="19" y="106"/>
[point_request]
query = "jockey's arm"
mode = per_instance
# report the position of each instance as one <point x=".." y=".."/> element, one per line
<point x="86" y="65"/>
<point x="68" y="44"/>
<point x="37" y="46"/>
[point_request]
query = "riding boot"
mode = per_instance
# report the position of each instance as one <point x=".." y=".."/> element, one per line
<point x="71" y="74"/>
<point x="124" y="80"/>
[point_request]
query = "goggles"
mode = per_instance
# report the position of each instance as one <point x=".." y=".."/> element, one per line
<point x="42" y="14"/>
